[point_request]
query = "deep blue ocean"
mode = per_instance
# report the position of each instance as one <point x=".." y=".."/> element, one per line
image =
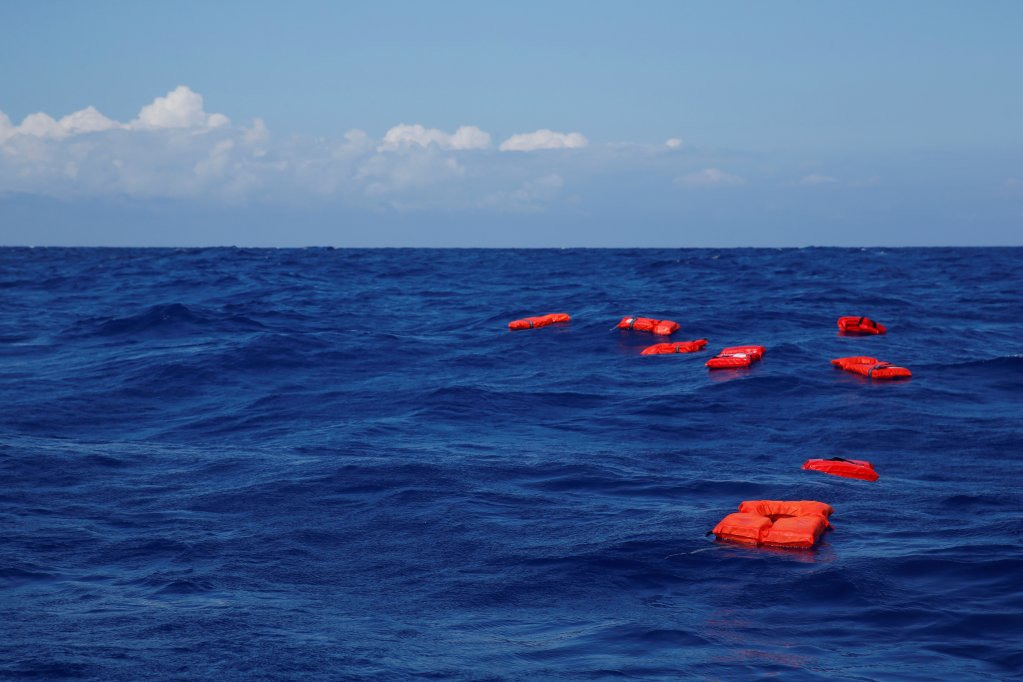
<point x="340" y="464"/>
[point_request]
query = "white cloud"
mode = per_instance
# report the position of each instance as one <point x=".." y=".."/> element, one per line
<point x="673" y="143"/>
<point x="814" y="179"/>
<point x="41" y="125"/>
<point x="543" y="139"/>
<point x="470" y="137"/>
<point x="175" y="149"/>
<point x="709" y="177"/>
<point x="403" y="136"/>
<point x="88" y="120"/>
<point x="180" y="108"/>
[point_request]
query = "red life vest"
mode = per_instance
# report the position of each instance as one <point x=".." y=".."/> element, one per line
<point x="859" y="325"/>
<point x="847" y="468"/>
<point x="646" y="324"/>
<point x="736" y="356"/>
<point x="541" y="321"/>
<point x="677" y="347"/>
<point x="872" y="368"/>
<point x="776" y="523"/>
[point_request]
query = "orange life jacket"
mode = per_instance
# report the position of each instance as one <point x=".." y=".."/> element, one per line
<point x="645" y="324"/>
<point x="859" y="325"/>
<point x="541" y="321"/>
<point x="872" y="368"/>
<point x="776" y="523"/>
<point x="848" y="468"/>
<point x="677" y="347"/>
<point x="736" y="356"/>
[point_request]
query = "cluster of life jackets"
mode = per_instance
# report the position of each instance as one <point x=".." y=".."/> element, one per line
<point x="770" y="523"/>
<point x="737" y="357"/>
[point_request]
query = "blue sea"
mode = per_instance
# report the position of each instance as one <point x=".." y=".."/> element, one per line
<point x="241" y="464"/>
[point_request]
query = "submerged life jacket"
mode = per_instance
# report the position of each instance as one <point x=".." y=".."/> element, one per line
<point x="736" y="356"/>
<point x="776" y="523"/>
<point x="859" y="325"/>
<point x="872" y="368"/>
<point x="646" y="324"/>
<point x="541" y="321"/>
<point x="677" y="347"/>
<point x="847" y="468"/>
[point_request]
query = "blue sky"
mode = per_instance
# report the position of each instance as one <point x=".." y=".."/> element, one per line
<point x="525" y="124"/>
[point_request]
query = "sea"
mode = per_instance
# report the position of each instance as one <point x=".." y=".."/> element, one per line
<point x="340" y="464"/>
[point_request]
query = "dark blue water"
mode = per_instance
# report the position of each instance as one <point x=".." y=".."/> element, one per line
<point x="320" y="464"/>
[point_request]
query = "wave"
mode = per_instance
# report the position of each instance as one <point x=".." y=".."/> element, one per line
<point x="174" y="319"/>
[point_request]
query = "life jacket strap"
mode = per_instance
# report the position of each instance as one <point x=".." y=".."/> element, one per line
<point x="880" y="365"/>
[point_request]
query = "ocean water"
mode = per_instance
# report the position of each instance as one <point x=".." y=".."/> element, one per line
<point x="340" y="464"/>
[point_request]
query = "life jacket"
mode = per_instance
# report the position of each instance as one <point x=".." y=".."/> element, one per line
<point x="847" y="468"/>
<point x="776" y="523"/>
<point x="859" y="325"/>
<point x="677" y="347"/>
<point x="872" y="368"/>
<point x="645" y="324"/>
<point x="736" y="356"/>
<point x="541" y="321"/>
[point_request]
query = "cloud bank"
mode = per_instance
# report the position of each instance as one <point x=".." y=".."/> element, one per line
<point x="174" y="148"/>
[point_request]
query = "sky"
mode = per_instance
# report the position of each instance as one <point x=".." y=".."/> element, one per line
<point x="527" y="124"/>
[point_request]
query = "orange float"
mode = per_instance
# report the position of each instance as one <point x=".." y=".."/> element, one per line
<point x="646" y="324"/>
<point x="736" y="356"/>
<point x="847" y="468"/>
<point x="540" y="321"/>
<point x="851" y="324"/>
<point x="776" y="523"/>
<point x="872" y="368"/>
<point x="677" y="347"/>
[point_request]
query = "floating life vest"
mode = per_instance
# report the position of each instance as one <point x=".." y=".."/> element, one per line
<point x="677" y="347"/>
<point x="736" y="356"/>
<point x="859" y="325"/>
<point x="776" y="523"/>
<point x="541" y="321"/>
<point x="645" y="324"/>
<point x="872" y="368"/>
<point x="848" y="468"/>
